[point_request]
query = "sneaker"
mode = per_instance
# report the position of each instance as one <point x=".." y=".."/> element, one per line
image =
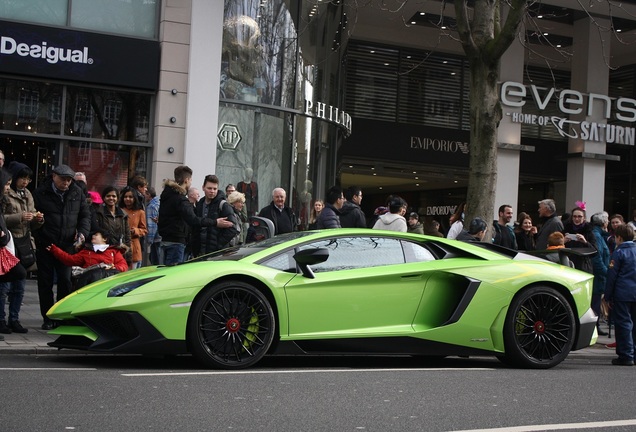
<point x="611" y="345"/>
<point x="4" y="328"/>
<point x="16" y="327"/>
<point x="622" y="362"/>
<point x="1" y="338"/>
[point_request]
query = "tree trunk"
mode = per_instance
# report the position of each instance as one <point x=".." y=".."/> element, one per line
<point x="485" y="114"/>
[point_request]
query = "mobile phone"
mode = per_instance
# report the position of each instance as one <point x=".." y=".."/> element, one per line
<point x="571" y="236"/>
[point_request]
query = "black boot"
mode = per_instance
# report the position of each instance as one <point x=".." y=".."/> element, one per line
<point x="4" y="328"/>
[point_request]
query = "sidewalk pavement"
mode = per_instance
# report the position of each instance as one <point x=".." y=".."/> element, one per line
<point x="35" y="341"/>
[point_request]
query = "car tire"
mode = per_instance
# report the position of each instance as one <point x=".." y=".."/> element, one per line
<point x="231" y="326"/>
<point x="539" y="329"/>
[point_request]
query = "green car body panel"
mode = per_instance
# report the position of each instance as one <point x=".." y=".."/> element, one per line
<point x="460" y="299"/>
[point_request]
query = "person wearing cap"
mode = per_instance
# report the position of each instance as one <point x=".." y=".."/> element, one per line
<point x="68" y="222"/>
<point x="414" y="225"/>
<point x="476" y="231"/>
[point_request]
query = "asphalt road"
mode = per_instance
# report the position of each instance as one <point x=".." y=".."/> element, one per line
<point x="106" y="393"/>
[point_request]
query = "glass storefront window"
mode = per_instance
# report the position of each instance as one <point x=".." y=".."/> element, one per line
<point x="106" y="164"/>
<point x="104" y="114"/>
<point x="33" y="107"/>
<point x="261" y="160"/>
<point x="134" y="18"/>
<point x="51" y="12"/>
<point x="259" y="53"/>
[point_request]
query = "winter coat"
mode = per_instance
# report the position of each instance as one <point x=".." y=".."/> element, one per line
<point x="391" y="222"/>
<point x="64" y="218"/>
<point x="600" y="261"/>
<point x="352" y="216"/>
<point x="328" y="218"/>
<point x="212" y="238"/>
<point x="418" y="228"/>
<point x="88" y="257"/>
<point x="13" y="206"/>
<point x="137" y="223"/>
<point x="284" y="221"/>
<point x="176" y="213"/>
<point x="621" y="276"/>
<point x="550" y="224"/>
<point x="118" y="227"/>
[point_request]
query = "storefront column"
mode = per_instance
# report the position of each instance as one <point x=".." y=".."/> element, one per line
<point x="203" y="88"/>
<point x="590" y="74"/>
<point x="509" y="136"/>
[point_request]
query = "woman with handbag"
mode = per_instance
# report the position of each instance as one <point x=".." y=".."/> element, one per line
<point x="20" y="217"/>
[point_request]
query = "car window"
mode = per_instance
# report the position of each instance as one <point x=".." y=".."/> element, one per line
<point x="415" y="252"/>
<point x="346" y="253"/>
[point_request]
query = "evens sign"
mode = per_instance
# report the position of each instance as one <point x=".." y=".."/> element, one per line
<point x="572" y="102"/>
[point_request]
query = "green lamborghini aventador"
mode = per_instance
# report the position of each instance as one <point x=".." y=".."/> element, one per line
<point x="346" y="291"/>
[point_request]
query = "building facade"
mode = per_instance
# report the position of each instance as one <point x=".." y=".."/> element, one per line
<point x="306" y="94"/>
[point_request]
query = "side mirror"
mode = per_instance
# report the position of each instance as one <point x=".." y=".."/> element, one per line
<point x="307" y="257"/>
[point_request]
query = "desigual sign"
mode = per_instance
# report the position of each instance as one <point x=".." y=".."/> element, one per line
<point x="52" y="54"/>
<point x="572" y="102"/>
<point x="78" y="56"/>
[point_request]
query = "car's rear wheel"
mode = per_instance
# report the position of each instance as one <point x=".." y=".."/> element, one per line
<point x="231" y="326"/>
<point x="539" y="329"/>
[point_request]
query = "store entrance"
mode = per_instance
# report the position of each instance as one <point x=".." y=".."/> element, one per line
<point x="37" y="154"/>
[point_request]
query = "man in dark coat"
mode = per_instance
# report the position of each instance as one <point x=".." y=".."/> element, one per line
<point x="67" y="223"/>
<point x="175" y="214"/>
<point x="282" y="216"/>
<point x="218" y="235"/>
<point x="351" y="215"/>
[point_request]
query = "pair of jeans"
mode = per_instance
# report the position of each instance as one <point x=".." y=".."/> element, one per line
<point x="156" y="253"/>
<point x="623" y="317"/>
<point x="173" y="253"/>
<point x="11" y="293"/>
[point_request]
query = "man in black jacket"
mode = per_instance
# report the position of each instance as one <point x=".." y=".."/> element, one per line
<point x="175" y="214"/>
<point x="351" y="215"/>
<point x="215" y="237"/>
<point x="281" y="215"/>
<point x="67" y="222"/>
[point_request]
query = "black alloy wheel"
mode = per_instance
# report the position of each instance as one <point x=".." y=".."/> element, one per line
<point x="539" y="329"/>
<point x="231" y="326"/>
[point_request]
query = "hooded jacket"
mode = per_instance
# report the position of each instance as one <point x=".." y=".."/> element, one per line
<point x="176" y="213"/>
<point x="391" y="222"/>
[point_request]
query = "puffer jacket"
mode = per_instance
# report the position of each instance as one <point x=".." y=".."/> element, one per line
<point x="88" y="257"/>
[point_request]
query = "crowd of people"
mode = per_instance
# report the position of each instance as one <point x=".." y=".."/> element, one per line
<point x="76" y="235"/>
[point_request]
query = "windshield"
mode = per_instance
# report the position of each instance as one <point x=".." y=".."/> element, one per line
<point x="238" y="252"/>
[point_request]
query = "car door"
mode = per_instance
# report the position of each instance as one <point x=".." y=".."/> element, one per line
<point x="365" y="288"/>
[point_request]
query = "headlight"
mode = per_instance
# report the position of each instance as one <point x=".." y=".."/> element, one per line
<point x="124" y="289"/>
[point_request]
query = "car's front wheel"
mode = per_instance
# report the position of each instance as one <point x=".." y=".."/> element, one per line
<point x="539" y="329"/>
<point x="231" y="326"/>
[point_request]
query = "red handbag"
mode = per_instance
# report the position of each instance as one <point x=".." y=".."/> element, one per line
<point x="7" y="261"/>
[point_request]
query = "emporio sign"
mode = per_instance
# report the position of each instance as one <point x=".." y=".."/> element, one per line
<point x="572" y="102"/>
<point x="52" y="54"/>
